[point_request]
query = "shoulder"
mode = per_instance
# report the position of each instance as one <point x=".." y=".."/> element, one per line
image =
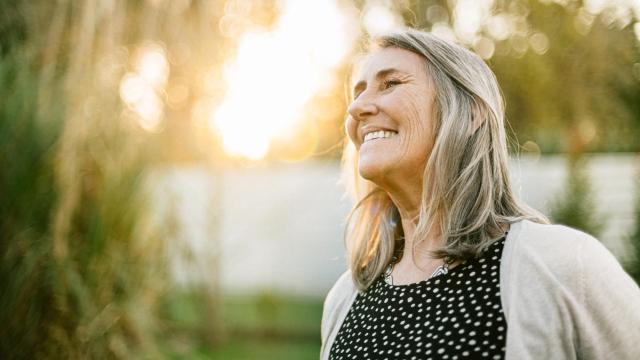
<point x="340" y="293"/>
<point x="560" y="248"/>
<point x="537" y="234"/>
<point x="336" y="305"/>
<point x="341" y="289"/>
<point x="551" y="260"/>
<point x="564" y="283"/>
<point x="558" y="261"/>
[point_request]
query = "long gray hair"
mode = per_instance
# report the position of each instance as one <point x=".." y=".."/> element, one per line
<point x="467" y="196"/>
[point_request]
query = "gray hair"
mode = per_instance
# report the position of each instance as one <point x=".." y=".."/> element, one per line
<point x="467" y="196"/>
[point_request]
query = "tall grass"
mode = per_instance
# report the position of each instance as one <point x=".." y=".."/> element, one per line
<point x="82" y="268"/>
<point x="27" y="199"/>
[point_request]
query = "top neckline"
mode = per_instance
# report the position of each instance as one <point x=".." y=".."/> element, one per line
<point x="455" y="269"/>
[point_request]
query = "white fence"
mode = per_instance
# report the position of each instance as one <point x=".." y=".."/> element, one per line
<point x="280" y="228"/>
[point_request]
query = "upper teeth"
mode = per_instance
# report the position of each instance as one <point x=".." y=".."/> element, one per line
<point x="377" y="135"/>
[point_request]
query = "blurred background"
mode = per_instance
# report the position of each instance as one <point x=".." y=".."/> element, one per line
<point x="169" y="170"/>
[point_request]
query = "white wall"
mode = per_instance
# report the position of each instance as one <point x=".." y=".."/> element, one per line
<point x="280" y="227"/>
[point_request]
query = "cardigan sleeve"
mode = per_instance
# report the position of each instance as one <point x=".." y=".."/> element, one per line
<point x="609" y="327"/>
<point x="565" y="296"/>
<point x="336" y="305"/>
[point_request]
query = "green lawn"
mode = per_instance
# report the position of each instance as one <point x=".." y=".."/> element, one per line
<point x="264" y="326"/>
<point x="250" y="349"/>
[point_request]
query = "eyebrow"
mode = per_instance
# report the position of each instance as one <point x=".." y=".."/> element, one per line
<point x="380" y="74"/>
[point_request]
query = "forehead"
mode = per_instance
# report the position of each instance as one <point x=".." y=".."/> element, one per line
<point x="390" y="57"/>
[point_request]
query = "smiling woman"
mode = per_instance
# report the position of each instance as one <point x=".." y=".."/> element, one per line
<point x="398" y="101"/>
<point x="486" y="276"/>
<point x="432" y="173"/>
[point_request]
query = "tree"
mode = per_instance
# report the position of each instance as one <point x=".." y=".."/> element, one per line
<point x="576" y="206"/>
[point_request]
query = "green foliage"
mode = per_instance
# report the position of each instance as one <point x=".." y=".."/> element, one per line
<point x="579" y="93"/>
<point x="80" y="272"/>
<point x="27" y="199"/>
<point x="262" y="326"/>
<point x="576" y="207"/>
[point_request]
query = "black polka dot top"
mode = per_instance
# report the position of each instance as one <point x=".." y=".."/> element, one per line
<point x="457" y="315"/>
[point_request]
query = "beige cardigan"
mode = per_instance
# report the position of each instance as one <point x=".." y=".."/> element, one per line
<point x="563" y="294"/>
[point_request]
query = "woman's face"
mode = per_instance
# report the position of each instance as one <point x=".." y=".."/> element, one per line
<point x="392" y="92"/>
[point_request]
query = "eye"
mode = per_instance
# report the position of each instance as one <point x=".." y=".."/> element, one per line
<point x="391" y="82"/>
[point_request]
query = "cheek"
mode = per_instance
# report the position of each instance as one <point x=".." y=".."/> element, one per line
<point x="415" y="120"/>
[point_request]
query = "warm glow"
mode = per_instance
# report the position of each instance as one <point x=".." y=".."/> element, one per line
<point x="616" y="12"/>
<point x="443" y="31"/>
<point x="499" y="26"/>
<point x="539" y="42"/>
<point x="276" y="73"/>
<point x="139" y="89"/>
<point x="468" y="17"/>
<point x="379" y="17"/>
<point x="152" y="65"/>
<point x="484" y="47"/>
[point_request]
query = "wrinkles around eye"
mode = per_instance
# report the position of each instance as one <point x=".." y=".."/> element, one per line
<point x="386" y="84"/>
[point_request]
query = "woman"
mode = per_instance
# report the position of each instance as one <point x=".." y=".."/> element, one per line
<point x="444" y="261"/>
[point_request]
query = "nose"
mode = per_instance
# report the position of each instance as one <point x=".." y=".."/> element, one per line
<point x="361" y="108"/>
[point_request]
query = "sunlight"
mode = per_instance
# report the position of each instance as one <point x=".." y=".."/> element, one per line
<point x="139" y="89"/>
<point x="152" y="65"/>
<point x="469" y="15"/>
<point x="276" y="73"/>
<point x="499" y="26"/>
<point x="444" y="31"/>
<point x="379" y="17"/>
<point x="615" y="12"/>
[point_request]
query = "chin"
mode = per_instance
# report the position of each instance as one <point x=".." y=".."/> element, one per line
<point x="373" y="171"/>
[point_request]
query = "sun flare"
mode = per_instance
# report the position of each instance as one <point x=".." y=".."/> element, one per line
<point x="275" y="74"/>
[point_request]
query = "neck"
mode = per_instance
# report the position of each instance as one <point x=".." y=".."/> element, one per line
<point x="415" y="264"/>
<point x="406" y="194"/>
<point x="432" y="241"/>
<point x="409" y="216"/>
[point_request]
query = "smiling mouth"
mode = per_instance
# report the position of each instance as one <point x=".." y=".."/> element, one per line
<point x="378" y="135"/>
